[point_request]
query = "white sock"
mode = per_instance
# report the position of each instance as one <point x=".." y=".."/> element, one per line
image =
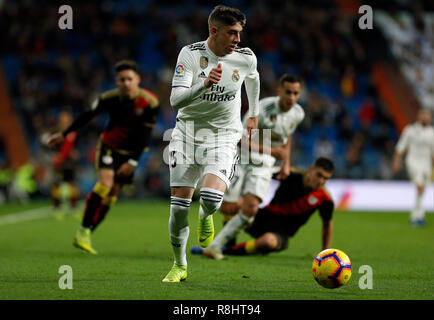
<point x="231" y="229"/>
<point x="416" y="212"/>
<point x="178" y="228"/>
<point x="419" y="210"/>
<point x="210" y="201"/>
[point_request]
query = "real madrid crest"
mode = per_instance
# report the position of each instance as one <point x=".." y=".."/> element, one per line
<point x="312" y="200"/>
<point x="235" y="76"/>
<point x="203" y="62"/>
<point x="107" y="159"/>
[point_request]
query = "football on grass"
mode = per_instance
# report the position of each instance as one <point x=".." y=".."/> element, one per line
<point x="331" y="268"/>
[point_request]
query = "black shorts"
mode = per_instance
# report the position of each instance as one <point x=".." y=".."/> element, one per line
<point x="267" y="222"/>
<point x="64" y="175"/>
<point x="108" y="158"/>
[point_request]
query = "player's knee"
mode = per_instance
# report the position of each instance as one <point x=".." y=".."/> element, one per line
<point x="274" y="242"/>
<point x="229" y="208"/>
<point x="101" y="189"/>
<point x="250" y="205"/>
<point x="106" y="183"/>
<point x="210" y="200"/>
<point x="106" y="178"/>
<point x="271" y="242"/>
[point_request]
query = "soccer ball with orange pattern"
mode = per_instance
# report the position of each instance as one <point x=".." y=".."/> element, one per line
<point x="331" y="268"/>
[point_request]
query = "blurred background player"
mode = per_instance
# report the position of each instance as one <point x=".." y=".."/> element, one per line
<point x="417" y="141"/>
<point x="133" y="112"/>
<point x="64" y="163"/>
<point x="206" y="91"/>
<point x="281" y="115"/>
<point x="292" y="204"/>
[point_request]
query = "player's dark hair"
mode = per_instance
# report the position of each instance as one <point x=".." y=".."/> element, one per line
<point x="126" y="65"/>
<point x="292" y="78"/>
<point x="226" y="16"/>
<point x="325" y="164"/>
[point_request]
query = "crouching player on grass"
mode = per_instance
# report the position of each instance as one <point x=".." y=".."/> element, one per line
<point x="133" y="112"/>
<point x="292" y="204"/>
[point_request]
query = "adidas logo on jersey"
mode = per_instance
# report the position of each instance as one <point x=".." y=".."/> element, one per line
<point x="202" y="75"/>
<point x="223" y="171"/>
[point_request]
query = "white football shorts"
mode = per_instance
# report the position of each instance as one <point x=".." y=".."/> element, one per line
<point x="188" y="164"/>
<point x="249" y="179"/>
<point x="419" y="174"/>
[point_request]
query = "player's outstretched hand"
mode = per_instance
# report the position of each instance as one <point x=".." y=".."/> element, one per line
<point x="214" y="76"/>
<point x="396" y="165"/>
<point x="284" y="173"/>
<point x="54" y="139"/>
<point x="125" y="170"/>
<point x="251" y="123"/>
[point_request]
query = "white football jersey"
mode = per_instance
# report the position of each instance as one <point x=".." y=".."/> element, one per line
<point x="418" y="141"/>
<point x="281" y="125"/>
<point x="218" y="107"/>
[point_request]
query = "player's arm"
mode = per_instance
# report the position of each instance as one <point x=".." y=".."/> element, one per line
<point x="280" y="153"/>
<point x="286" y="165"/>
<point x="285" y="169"/>
<point x="83" y="119"/>
<point x="183" y="92"/>
<point x="400" y="148"/>
<point x="326" y="212"/>
<point x="432" y="152"/>
<point x="65" y="149"/>
<point x="252" y="85"/>
<point x="143" y="142"/>
<point x="327" y="230"/>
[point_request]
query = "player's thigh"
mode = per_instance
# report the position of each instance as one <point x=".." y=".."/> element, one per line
<point x="183" y="177"/>
<point x="182" y="192"/>
<point x="257" y="181"/>
<point x="105" y="164"/>
<point x="255" y="188"/>
<point x="183" y="172"/>
<point x="106" y="177"/>
<point x="419" y="174"/>
<point x="211" y="180"/>
<point x="220" y="167"/>
<point x="272" y="241"/>
<point x="250" y="204"/>
<point x="233" y="193"/>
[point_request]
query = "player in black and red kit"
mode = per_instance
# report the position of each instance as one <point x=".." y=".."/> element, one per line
<point x="133" y="113"/>
<point x="64" y="161"/>
<point x="295" y="200"/>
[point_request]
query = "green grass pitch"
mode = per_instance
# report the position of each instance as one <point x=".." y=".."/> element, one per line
<point x="135" y="255"/>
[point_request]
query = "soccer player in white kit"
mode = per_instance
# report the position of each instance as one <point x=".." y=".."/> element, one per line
<point x="417" y="140"/>
<point x="279" y="115"/>
<point x="206" y="91"/>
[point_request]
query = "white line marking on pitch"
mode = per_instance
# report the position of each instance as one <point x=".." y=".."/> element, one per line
<point x="28" y="215"/>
